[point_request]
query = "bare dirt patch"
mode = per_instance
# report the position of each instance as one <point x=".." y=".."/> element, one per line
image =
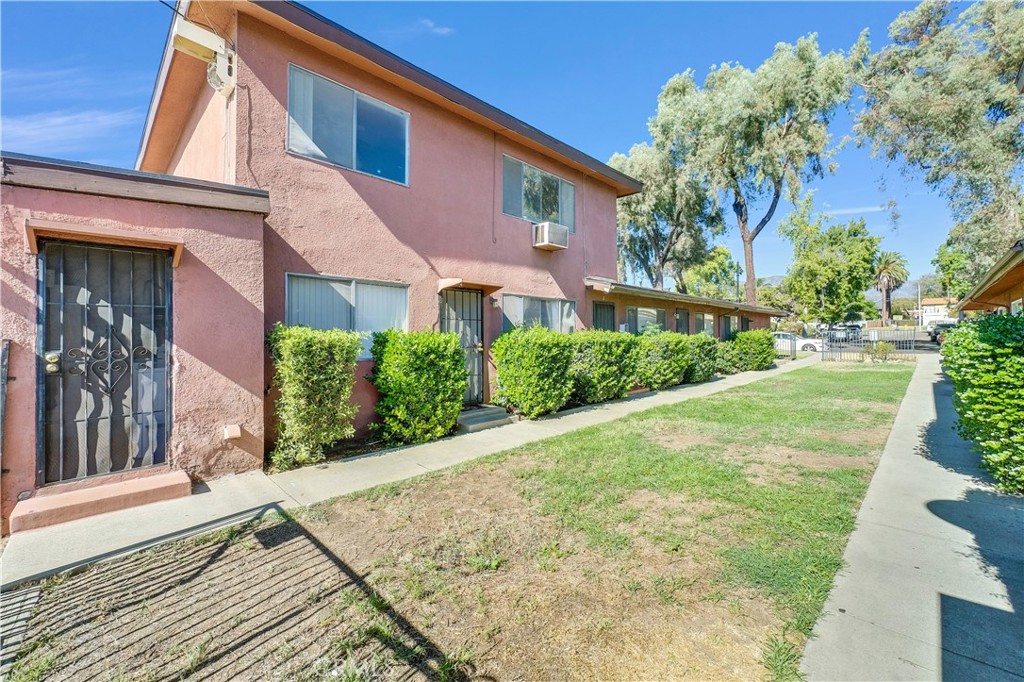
<point x="454" y="578"/>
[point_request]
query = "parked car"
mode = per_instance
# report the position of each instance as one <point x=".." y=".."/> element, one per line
<point x="785" y="341"/>
<point x="841" y="332"/>
<point x="939" y="331"/>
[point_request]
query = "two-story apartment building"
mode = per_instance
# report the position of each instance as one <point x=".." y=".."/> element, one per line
<point x="289" y="171"/>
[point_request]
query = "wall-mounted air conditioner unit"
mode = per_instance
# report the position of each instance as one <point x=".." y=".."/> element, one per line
<point x="550" y="236"/>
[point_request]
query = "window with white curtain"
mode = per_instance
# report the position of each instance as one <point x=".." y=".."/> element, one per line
<point x="525" y="311"/>
<point x="639" y="319"/>
<point x="333" y="123"/>
<point x="536" y="195"/>
<point x="333" y="303"/>
<point x="704" y="323"/>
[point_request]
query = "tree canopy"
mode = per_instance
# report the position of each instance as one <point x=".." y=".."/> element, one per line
<point x="890" y="273"/>
<point x="753" y="135"/>
<point x="665" y="228"/>
<point x="833" y="265"/>
<point x="716" y="277"/>
<point x="941" y="98"/>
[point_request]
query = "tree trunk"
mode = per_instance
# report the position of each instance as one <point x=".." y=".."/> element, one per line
<point x="886" y="307"/>
<point x="750" y="284"/>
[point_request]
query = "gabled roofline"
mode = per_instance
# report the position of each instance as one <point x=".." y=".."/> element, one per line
<point x="41" y="172"/>
<point x="611" y="286"/>
<point x="316" y="24"/>
<point x="1013" y="257"/>
<point x="180" y="6"/>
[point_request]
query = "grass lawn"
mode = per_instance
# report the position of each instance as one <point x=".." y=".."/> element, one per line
<point x="695" y="540"/>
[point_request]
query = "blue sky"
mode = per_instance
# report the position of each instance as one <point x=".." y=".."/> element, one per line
<point x="587" y="73"/>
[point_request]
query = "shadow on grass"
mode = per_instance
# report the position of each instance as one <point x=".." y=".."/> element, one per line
<point x="263" y="600"/>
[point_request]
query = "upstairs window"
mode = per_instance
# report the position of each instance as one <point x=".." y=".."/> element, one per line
<point x="332" y="123"/>
<point x="537" y="196"/>
<point x="525" y="311"/>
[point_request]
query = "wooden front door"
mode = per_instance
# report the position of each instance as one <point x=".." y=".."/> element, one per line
<point x="105" y="340"/>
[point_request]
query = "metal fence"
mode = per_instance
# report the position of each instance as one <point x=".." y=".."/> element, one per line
<point x="785" y="347"/>
<point x="845" y="345"/>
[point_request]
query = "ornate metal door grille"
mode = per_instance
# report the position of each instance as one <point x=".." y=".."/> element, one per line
<point x="105" y="340"/>
<point x="462" y="312"/>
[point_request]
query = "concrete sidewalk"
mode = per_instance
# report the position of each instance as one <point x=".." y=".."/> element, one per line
<point x="35" y="554"/>
<point x="934" y="583"/>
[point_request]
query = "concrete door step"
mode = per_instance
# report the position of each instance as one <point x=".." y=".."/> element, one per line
<point x="483" y="417"/>
<point x="46" y="510"/>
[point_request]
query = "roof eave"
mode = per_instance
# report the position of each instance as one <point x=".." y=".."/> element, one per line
<point x="1012" y="258"/>
<point x="611" y="286"/>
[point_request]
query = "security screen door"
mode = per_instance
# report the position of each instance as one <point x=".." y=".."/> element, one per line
<point x="106" y="332"/>
<point x="462" y="312"/>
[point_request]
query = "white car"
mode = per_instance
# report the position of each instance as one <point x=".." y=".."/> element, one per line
<point x="785" y="341"/>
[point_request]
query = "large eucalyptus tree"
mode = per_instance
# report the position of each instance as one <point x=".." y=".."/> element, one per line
<point x="752" y="136"/>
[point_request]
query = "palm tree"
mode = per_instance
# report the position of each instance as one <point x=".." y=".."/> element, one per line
<point x="890" y="273"/>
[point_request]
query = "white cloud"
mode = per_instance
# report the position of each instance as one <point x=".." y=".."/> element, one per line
<point x="71" y="83"/>
<point x="433" y="28"/>
<point x="858" y="210"/>
<point x="67" y="132"/>
<point x="420" y="27"/>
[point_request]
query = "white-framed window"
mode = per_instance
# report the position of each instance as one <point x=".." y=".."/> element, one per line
<point x="324" y="302"/>
<point x="556" y="314"/>
<point x="704" y="323"/>
<point x="639" y="319"/>
<point x="1017" y="307"/>
<point x="330" y="122"/>
<point x="535" y="195"/>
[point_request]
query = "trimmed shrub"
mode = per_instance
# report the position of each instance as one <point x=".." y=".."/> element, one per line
<point x="663" y="359"/>
<point x="985" y="359"/>
<point x="421" y="379"/>
<point x="315" y="371"/>
<point x="879" y="351"/>
<point x="702" y="358"/>
<point x="533" y="366"/>
<point x="603" y="366"/>
<point x="728" y="358"/>
<point x="755" y="349"/>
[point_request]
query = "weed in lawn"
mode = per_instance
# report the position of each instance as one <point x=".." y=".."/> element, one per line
<point x="548" y="555"/>
<point x="456" y="665"/>
<point x="485" y="562"/>
<point x="782" y="659"/>
<point x="196" y="656"/>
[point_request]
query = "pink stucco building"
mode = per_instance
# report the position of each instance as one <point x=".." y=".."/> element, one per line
<point x="289" y="171"/>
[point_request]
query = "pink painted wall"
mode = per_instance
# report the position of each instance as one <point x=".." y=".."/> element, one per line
<point x="446" y="223"/>
<point x="218" y="322"/>
<point x="202" y="150"/>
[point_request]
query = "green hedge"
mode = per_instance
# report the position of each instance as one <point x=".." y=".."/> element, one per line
<point x="603" y="366"/>
<point x="755" y="349"/>
<point x="729" y="360"/>
<point x="421" y="379"/>
<point x="985" y="359"/>
<point x="663" y="359"/>
<point x="703" y="358"/>
<point x="314" y="371"/>
<point x="533" y="367"/>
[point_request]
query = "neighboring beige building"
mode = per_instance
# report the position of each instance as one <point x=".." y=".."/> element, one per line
<point x="934" y="310"/>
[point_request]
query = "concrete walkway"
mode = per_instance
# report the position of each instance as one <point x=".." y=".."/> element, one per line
<point x="934" y="583"/>
<point x="35" y="554"/>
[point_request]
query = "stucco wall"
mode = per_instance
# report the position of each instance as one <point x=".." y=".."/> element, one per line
<point x="203" y="148"/>
<point x="446" y="223"/>
<point x="217" y="329"/>
<point x="757" y="320"/>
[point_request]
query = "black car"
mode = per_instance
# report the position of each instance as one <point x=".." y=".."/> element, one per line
<point x="940" y="329"/>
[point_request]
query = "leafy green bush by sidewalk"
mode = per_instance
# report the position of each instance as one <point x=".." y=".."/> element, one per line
<point x="533" y="367"/>
<point x="729" y="360"/>
<point x="421" y="379"/>
<point x="755" y="349"/>
<point x="663" y="359"/>
<point x="315" y="371"/>
<point x="984" y="358"/>
<point x="603" y="366"/>
<point x="702" y="358"/>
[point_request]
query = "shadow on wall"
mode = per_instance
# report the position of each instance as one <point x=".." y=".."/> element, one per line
<point x="978" y="641"/>
<point x="263" y="600"/>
